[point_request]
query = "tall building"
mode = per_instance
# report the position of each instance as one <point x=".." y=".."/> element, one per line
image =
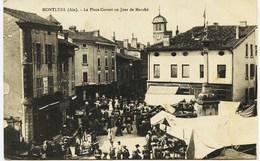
<point x="95" y="73"/>
<point x="178" y="63"/>
<point x="30" y="73"/>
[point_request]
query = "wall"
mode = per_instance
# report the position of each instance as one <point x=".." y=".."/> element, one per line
<point x="12" y="68"/>
<point x="239" y="68"/>
<point x="194" y="59"/>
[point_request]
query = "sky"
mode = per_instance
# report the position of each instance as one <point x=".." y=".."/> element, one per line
<point x="184" y="13"/>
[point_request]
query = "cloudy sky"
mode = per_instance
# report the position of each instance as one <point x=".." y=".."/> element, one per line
<point x="184" y="13"/>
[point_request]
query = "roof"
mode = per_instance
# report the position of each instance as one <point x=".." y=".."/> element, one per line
<point x="121" y="45"/>
<point x="53" y="20"/>
<point x="221" y="38"/>
<point x="87" y="36"/>
<point x="125" y="56"/>
<point x="27" y="17"/>
<point x="159" y="19"/>
<point x="67" y="43"/>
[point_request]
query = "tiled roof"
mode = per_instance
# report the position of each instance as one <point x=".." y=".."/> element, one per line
<point x="27" y="17"/>
<point x="88" y="36"/>
<point x="221" y="38"/>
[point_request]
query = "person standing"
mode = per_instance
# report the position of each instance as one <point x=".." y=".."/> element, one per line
<point x="119" y="149"/>
<point x="125" y="152"/>
<point x="146" y="152"/>
<point x="110" y="134"/>
<point x="136" y="152"/>
<point x="119" y="125"/>
<point x="112" y="152"/>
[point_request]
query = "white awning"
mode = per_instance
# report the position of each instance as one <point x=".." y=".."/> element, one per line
<point x="162" y="90"/>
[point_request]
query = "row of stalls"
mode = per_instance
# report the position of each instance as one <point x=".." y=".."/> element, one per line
<point x="207" y="134"/>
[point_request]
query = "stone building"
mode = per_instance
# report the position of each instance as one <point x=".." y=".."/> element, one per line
<point x="95" y="65"/>
<point x="30" y="73"/>
<point x="231" y="69"/>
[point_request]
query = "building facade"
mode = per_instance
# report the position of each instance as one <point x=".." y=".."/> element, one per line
<point x="30" y="73"/>
<point x="95" y="65"/>
<point x="131" y="68"/>
<point x="231" y="62"/>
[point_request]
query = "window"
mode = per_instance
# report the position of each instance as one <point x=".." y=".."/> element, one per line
<point x="255" y="50"/>
<point x="85" y="58"/>
<point x="113" y="74"/>
<point x="156" y="54"/>
<point x="48" y="53"/>
<point x="106" y="76"/>
<point x="185" y="71"/>
<point x="174" y="70"/>
<point x="84" y="45"/>
<point x="39" y="87"/>
<point x="173" y="54"/>
<point x="201" y="71"/>
<point x="113" y="62"/>
<point x="156" y="27"/>
<point x="221" y="53"/>
<point x="98" y="47"/>
<point x="48" y="32"/>
<point x="246" y="71"/>
<point x="156" y="71"/>
<point x="252" y="71"/>
<point x="221" y="71"/>
<point x="50" y="83"/>
<point x="38" y="54"/>
<point x="85" y="77"/>
<point x="251" y="50"/>
<point x="106" y="61"/>
<point x="160" y="27"/>
<point x="246" y="50"/>
<point x="185" y="53"/>
<point x="99" y="78"/>
<point x="251" y="93"/>
<point x="106" y="48"/>
<point x="99" y="62"/>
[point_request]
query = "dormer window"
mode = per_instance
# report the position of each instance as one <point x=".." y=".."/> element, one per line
<point x="185" y="53"/>
<point x="84" y="45"/>
<point x="173" y="54"/>
<point x="221" y="53"/>
<point x="156" y="54"/>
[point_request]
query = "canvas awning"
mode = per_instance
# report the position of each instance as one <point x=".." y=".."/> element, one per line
<point x="165" y="96"/>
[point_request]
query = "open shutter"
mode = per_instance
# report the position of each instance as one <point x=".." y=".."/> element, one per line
<point x="53" y="55"/>
<point x="34" y="52"/>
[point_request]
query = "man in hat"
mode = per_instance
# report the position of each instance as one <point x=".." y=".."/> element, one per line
<point x="136" y="152"/>
<point x="125" y="152"/>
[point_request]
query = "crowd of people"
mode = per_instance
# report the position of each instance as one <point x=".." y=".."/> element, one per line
<point x="108" y="117"/>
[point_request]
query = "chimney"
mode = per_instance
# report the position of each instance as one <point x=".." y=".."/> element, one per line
<point x="166" y="40"/>
<point x="177" y="31"/>
<point x="215" y="24"/>
<point x="96" y="33"/>
<point x="114" y="36"/>
<point x="134" y="42"/>
<point x="126" y="43"/>
<point x="148" y="44"/>
<point x="72" y="28"/>
<point x="237" y="32"/>
<point x="243" y="23"/>
<point x="66" y="35"/>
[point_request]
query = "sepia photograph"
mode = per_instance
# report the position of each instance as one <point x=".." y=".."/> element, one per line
<point x="121" y="79"/>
